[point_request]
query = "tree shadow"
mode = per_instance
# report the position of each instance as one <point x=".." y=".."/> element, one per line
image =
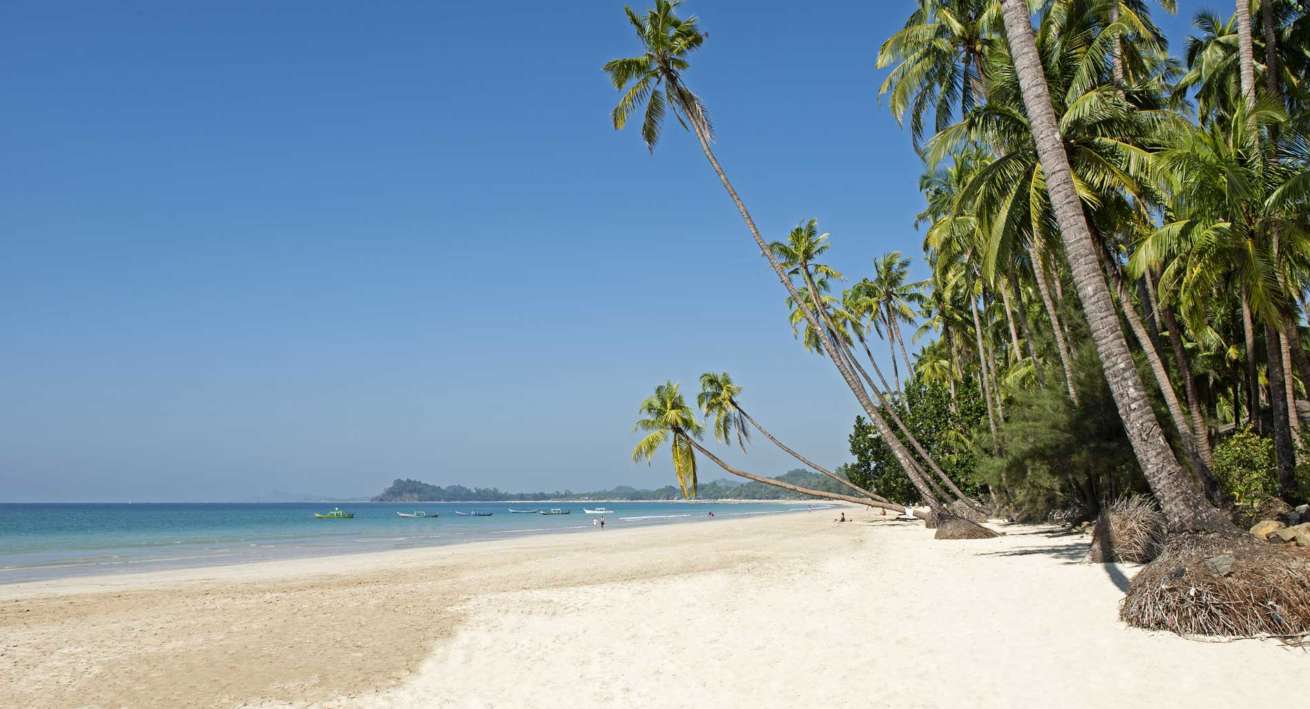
<point x="1072" y="553"/>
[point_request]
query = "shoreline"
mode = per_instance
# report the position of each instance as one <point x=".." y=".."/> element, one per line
<point x="168" y="554"/>
<point x="644" y="617"/>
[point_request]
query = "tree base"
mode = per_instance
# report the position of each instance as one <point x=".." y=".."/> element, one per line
<point x="1129" y="529"/>
<point x="960" y="508"/>
<point x="1227" y="585"/>
<point x="952" y="527"/>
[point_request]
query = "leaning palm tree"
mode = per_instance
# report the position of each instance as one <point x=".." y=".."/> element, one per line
<point x="655" y="79"/>
<point x="889" y="299"/>
<point x="1184" y="503"/>
<point x="718" y="398"/>
<point x="665" y="416"/>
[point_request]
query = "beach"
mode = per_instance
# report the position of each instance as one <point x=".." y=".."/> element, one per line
<point x="781" y="610"/>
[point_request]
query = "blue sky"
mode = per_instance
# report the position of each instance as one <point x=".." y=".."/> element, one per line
<point x="312" y="247"/>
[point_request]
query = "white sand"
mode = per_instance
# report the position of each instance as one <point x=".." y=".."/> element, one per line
<point x="786" y="611"/>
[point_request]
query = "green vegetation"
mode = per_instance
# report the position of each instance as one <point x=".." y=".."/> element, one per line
<point x="1244" y="464"/>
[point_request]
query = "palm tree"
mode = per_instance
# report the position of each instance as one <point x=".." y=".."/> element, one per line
<point x="1184" y="504"/>
<point x="718" y="398"/>
<point x="655" y="77"/>
<point x="889" y="300"/>
<point x="940" y="60"/>
<point x="665" y="416"/>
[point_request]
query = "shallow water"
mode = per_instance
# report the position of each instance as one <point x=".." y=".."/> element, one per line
<point x="45" y="541"/>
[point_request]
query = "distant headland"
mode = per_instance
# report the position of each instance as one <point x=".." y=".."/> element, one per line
<point x="408" y="490"/>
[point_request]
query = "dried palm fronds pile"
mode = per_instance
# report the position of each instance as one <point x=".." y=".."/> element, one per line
<point x="1129" y="529"/>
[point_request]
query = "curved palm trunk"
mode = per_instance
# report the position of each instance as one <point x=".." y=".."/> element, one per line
<point x="847" y="375"/>
<point x="1053" y="314"/>
<point x="867" y="502"/>
<point x="805" y="461"/>
<point x="1184" y="504"/>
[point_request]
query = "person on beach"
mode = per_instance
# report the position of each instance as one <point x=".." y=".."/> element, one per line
<point x="602" y="522"/>
<point x="842" y="518"/>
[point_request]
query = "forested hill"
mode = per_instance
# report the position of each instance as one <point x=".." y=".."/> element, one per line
<point x="415" y="491"/>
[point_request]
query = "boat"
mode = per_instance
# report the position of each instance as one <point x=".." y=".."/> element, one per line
<point x="522" y="512"/>
<point x="413" y="515"/>
<point x="598" y="511"/>
<point x="336" y="513"/>
<point x="555" y="511"/>
<point x="474" y="514"/>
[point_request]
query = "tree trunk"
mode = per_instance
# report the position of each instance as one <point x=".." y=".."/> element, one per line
<point x="1117" y="51"/>
<point x="1283" y="445"/>
<point x="1245" y="52"/>
<point x="1289" y="378"/>
<point x="1252" y="377"/>
<point x="806" y="461"/>
<point x="1053" y="314"/>
<point x="853" y="383"/>
<point x="900" y="340"/>
<point x="982" y="376"/>
<point x="1015" y="352"/>
<point x="1156" y="365"/>
<point x="1184" y="504"/>
<point x="868" y="502"/>
<point x="1200" y="430"/>
<point x="1026" y="330"/>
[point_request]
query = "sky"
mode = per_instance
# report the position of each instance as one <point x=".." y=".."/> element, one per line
<point x="308" y="247"/>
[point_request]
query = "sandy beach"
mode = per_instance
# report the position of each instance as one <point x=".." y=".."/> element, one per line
<point x="784" y="610"/>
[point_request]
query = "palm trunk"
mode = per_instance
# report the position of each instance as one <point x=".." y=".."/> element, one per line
<point x="1200" y="431"/>
<point x="1015" y="352"/>
<point x="1245" y="52"/>
<point x="805" y="461"/>
<point x="1289" y="378"/>
<point x="1184" y="504"/>
<point x="1156" y="365"/>
<point x="982" y="376"/>
<point x="867" y="502"/>
<point x="1053" y="314"/>
<point x="900" y="340"/>
<point x="847" y="375"/>
<point x="1252" y="378"/>
<point x="1117" y="51"/>
<point x="905" y="430"/>
<point x="1283" y="446"/>
<point x="1026" y="330"/>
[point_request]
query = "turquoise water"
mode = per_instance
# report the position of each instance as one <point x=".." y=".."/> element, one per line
<point x="45" y="541"/>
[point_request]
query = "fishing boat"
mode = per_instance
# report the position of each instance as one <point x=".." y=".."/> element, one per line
<point x="598" y="511"/>
<point x="474" y="514"/>
<point x="413" y="515"/>
<point x="555" y="511"/>
<point x="336" y="513"/>
<point x="522" y="512"/>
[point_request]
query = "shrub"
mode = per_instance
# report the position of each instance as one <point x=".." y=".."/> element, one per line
<point x="1244" y="465"/>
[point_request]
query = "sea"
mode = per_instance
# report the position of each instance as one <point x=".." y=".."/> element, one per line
<point x="42" y="541"/>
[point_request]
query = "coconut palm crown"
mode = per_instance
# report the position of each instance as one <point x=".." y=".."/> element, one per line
<point x="718" y="398"/>
<point x="655" y="78"/>
<point x="664" y="416"/>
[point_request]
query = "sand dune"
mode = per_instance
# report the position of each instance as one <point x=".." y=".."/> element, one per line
<point x="787" y="610"/>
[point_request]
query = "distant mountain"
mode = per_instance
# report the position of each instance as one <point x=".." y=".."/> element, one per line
<point x="408" y="490"/>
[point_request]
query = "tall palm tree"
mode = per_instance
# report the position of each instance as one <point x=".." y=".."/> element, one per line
<point x="719" y="398"/>
<point x="665" y="416"/>
<point x="655" y="78"/>
<point x="1184" y="503"/>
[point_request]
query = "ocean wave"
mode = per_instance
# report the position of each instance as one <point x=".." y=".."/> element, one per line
<point x="630" y="519"/>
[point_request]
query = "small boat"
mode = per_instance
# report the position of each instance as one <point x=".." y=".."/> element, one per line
<point x="522" y="512"/>
<point x="555" y="511"/>
<point x="474" y="514"/>
<point x="413" y="515"/>
<point x="598" y="511"/>
<point x="336" y="513"/>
